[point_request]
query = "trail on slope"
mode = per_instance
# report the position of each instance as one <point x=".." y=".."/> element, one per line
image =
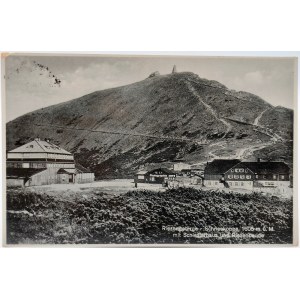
<point x="274" y="136"/>
<point x="208" y="107"/>
<point x="105" y="131"/>
<point x="245" y="152"/>
<point x="242" y="152"/>
<point x="259" y="117"/>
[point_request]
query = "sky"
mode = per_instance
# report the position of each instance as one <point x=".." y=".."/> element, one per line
<point x="33" y="82"/>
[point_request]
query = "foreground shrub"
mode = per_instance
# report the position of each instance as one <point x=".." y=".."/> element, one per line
<point x="139" y="216"/>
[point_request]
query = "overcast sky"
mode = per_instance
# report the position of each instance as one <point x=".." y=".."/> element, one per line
<point x="34" y="82"/>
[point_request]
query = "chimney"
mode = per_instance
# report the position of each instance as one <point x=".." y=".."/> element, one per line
<point x="174" y="70"/>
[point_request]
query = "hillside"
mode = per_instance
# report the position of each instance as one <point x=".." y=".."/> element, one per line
<point x="158" y="120"/>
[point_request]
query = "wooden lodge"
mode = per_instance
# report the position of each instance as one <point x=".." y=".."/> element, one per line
<point x="40" y="163"/>
<point x="156" y="176"/>
<point x="233" y="173"/>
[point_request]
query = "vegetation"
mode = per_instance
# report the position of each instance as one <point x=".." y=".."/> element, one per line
<point x="140" y="216"/>
<point x="172" y="106"/>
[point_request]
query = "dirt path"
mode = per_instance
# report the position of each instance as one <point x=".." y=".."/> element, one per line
<point x="274" y="136"/>
<point x="208" y="107"/>
<point x="113" y="186"/>
<point x="246" y="151"/>
<point x="259" y="117"/>
<point x="135" y="134"/>
<point x="249" y="150"/>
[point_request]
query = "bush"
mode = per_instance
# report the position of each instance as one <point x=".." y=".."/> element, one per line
<point x="138" y="217"/>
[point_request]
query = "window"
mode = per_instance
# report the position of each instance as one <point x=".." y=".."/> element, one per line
<point x="246" y="170"/>
<point x="242" y="176"/>
<point x="140" y="176"/>
<point x="256" y="176"/>
<point x="232" y="170"/>
<point x="242" y="183"/>
<point x="216" y="183"/>
<point x="208" y="182"/>
<point x="281" y="176"/>
<point x="242" y="170"/>
<point x="236" y="183"/>
<point x="237" y="170"/>
<point x="248" y="176"/>
<point x="230" y="176"/>
<point x="230" y="183"/>
<point x="236" y="176"/>
<point x="275" y="177"/>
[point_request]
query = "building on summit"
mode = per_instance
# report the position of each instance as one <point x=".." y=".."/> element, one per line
<point x="40" y="163"/>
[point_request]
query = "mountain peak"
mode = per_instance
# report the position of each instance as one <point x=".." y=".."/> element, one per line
<point x="156" y="120"/>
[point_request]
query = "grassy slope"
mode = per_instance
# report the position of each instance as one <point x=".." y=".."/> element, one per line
<point x="160" y="106"/>
<point x="138" y="217"/>
<point x="280" y="120"/>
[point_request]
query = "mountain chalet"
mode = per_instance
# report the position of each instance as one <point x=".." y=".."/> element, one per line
<point x="158" y="176"/>
<point x="40" y="163"/>
<point x="233" y="173"/>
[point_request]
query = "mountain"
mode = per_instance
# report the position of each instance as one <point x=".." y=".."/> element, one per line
<point x="163" y="118"/>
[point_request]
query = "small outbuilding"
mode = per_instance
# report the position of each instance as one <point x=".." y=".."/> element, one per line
<point x="156" y="176"/>
<point x="21" y="177"/>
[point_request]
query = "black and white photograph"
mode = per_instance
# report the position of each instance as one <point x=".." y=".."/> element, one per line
<point x="149" y="150"/>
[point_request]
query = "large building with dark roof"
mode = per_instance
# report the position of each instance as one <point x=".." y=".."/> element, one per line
<point x="42" y="162"/>
<point x="247" y="175"/>
<point x="214" y="171"/>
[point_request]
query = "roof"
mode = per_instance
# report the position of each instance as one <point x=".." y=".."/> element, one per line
<point x="220" y="166"/>
<point x="22" y="172"/>
<point x="66" y="171"/>
<point x="267" y="167"/>
<point x="164" y="170"/>
<point x="141" y="172"/>
<point x="78" y="169"/>
<point x="40" y="146"/>
<point x="82" y="169"/>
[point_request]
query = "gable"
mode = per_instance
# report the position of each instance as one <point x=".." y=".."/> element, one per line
<point x="39" y="146"/>
<point x="30" y="147"/>
<point x="239" y="168"/>
<point x="220" y="166"/>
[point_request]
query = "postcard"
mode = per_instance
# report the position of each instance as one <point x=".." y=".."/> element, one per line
<point x="149" y="150"/>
